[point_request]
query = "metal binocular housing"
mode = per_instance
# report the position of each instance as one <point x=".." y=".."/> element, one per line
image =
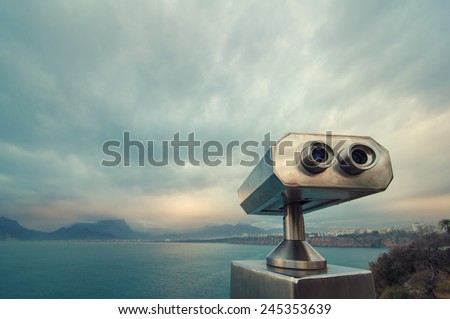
<point x="303" y="173"/>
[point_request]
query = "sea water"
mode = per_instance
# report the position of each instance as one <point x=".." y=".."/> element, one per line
<point x="135" y="269"/>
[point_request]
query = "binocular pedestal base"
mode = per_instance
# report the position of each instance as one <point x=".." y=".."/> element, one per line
<point x="253" y="279"/>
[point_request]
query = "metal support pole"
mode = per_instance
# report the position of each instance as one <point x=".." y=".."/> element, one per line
<point x="294" y="224"/>
<point x="294" y="252"/>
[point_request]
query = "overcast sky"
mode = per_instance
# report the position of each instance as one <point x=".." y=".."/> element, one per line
<point x="76" y="74"/>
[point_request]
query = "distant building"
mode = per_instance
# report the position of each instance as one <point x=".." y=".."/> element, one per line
<point x="417" y="227"/>
<point x="363" y="231"/>
<point x="386" y="230"/>
<point x="340" y="232"/>
<point x="423" y="228"/>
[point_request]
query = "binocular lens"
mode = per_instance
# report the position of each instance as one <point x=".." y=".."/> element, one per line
<point x="319" y="154"/>
<point x="359" y="156"/>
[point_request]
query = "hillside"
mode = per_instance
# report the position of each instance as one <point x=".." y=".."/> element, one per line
<point x="101" y="230"/>
<point x="11" y="229"/>
<point x="118" y="229"/>
<point x="419" y="270"/>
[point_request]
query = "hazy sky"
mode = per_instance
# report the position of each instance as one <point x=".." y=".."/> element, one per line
<point x="76" y="74"/>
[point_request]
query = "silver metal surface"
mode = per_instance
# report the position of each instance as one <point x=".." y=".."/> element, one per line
<point x="254" y="279"/>
<point x="281" y="178"/>
<point x="294" y="252"/>
<point x="294" y="223"/>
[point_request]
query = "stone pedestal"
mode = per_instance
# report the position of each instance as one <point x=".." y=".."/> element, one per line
<point x="253" y="279"/>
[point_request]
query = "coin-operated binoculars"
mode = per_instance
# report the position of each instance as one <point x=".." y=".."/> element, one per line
<point x="300" y="174"/>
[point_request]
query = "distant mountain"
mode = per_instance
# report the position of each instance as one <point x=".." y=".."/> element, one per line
<point x="11" y="229"/>
<point x="222" y="231"/>
<point x="101" y="230"/>
<point x="77" y="232"/>
<point x="114" y="228"/>
<point x="119" y="229"/>
<point x="214" y="232"/>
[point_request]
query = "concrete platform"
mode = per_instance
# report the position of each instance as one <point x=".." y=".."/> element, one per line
<point x="253" y="279"/>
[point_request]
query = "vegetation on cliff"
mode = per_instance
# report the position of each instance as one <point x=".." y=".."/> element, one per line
<point x="418" y="270"/>
<point x="444" y="224"/>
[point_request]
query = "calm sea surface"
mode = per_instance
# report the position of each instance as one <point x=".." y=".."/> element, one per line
<point x="135" y="269"/>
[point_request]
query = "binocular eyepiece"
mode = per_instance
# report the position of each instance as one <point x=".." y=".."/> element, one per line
<point x="317" y="156"/>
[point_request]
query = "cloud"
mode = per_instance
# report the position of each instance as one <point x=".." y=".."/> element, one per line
<point x="73" y="76"/>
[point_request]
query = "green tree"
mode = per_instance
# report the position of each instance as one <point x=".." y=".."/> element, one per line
<point x="419" y="270"/>
<point x="445" y="225"/>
